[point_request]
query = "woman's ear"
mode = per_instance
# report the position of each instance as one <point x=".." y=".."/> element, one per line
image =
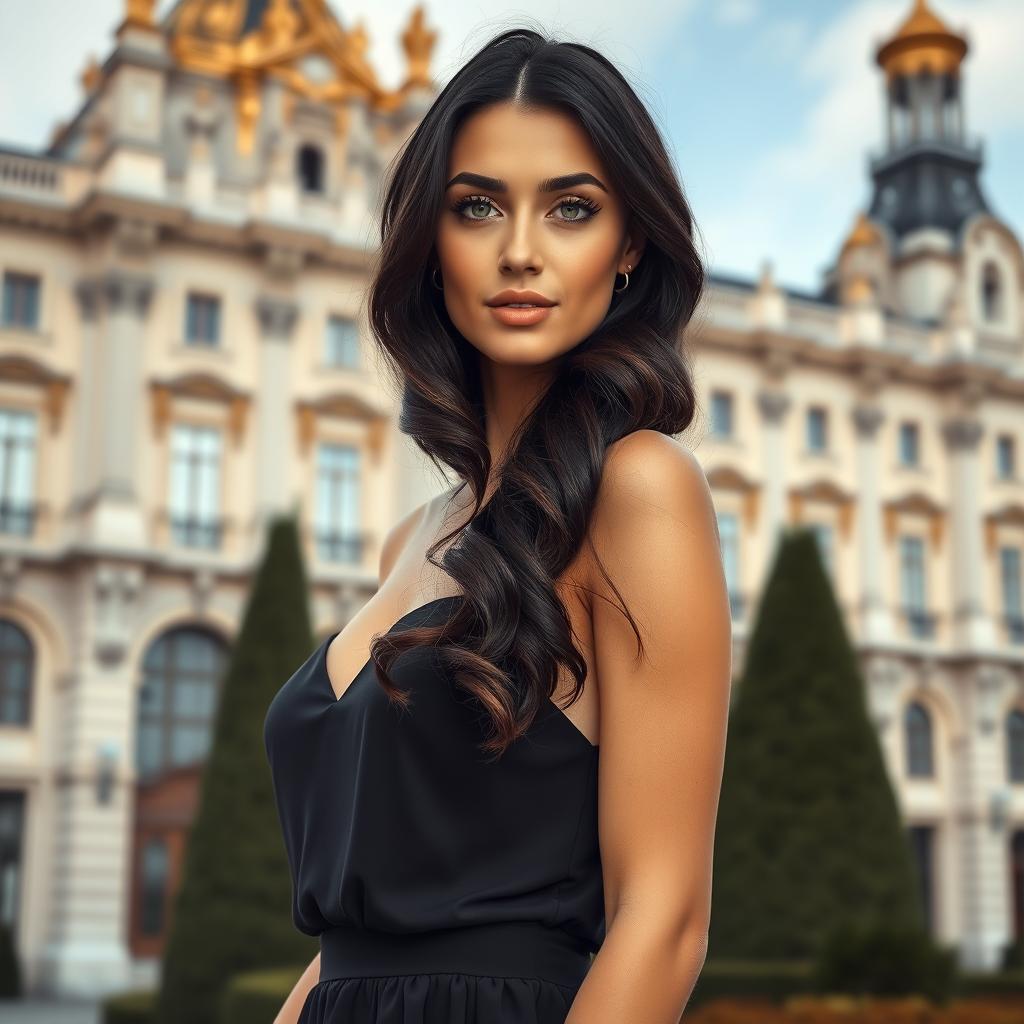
<point x="636" y="242"/>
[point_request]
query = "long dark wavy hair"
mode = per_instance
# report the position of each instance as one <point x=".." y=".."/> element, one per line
<point x="511" y="632"/>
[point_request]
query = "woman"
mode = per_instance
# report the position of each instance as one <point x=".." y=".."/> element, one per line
<point x="439" y="788"/>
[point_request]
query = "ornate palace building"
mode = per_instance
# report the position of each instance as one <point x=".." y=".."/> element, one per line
<point x="182" y="355"/>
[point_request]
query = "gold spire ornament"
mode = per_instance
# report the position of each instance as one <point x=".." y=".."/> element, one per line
<point x="922" y="43"/>
<point x="139" y="13"/>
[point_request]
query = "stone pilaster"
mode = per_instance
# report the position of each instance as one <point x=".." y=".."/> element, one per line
<point x="773" y="404"/>
<point x="874" y="609"/>
<point x="973" y="626"/>
<point x="274" y="424"/>
<point x="113" y="307"/>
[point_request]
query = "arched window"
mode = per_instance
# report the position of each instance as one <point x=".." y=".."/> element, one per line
<point x="154" y="887"/>
<point x="177" y="700"/>
<point x="17" y="664"/>
<point x="991" y="293"/>
<point x="1015" y="745"/>
<point x="917" y="731"/>
<point x="311" y="168"/>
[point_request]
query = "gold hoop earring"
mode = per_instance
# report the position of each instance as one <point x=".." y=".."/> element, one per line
<point x="629" y="267"/>
<point x="433" y="278"/>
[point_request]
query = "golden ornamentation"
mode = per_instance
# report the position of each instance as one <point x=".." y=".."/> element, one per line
<point x="205" y="37"/>
<point x="139" y="12"/>
<point x="863" y="233"/>
<point x="247" y="109"/>
<point x="922" y="43"/>
<point x="418" y="43"/>
<point x="91" y="76"/>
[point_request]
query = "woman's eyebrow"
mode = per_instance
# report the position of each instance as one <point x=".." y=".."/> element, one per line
<point x="547" y="185"/>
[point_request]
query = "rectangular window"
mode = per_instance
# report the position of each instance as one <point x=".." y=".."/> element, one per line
<point x="1010" y="580"/>
<point x="817" y="429"/>
<point x="202" y="319"/>
<point x="824" y="534"/>
<point x="721" y="414"/>
<point x="337" y="503"/>
<point x="195" y="486"/>
<point x="21" y="300"/>
<point x="342" y="342"/>
<point x="729" y="538"/>
<point x="17" y="471"/>
<point x="912" y="572"/>
<point x="909" y="444"/>
<point x="1006" y="457"/>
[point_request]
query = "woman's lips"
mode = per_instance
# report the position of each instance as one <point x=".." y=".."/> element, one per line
<point x="520" y="316"/>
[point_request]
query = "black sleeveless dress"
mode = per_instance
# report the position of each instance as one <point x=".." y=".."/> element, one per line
<point x="444" y="890"/>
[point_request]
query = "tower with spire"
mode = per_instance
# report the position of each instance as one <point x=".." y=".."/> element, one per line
<point x="929" y="247"/>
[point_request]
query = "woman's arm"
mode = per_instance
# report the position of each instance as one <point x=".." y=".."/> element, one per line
<point x="663" y="727"/>
<point x="292" y="1006"/>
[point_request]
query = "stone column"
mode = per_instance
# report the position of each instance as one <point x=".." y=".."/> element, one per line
<point x="875" y="613"/>
<point x="773" y="405"/>
<point x="115" y="306"/>
<point x="88" y="866"/>
<point x="981" y="804"/>
<point x="275" y="427"/>
<point x="973" y="627"/>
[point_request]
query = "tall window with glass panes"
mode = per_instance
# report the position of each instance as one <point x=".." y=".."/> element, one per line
<point x="17" y="471"/>
<point x="194" y="506"/>
<point x="339" y="536"/>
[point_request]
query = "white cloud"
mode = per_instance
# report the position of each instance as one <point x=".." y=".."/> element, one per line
<point x="735" y="12"/>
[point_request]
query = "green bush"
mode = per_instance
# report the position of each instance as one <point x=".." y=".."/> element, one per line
<point x="885" y="959"/>
<point x="809" y="832"/>
<point x="989" y="983"/>
<point x="1013" y="955"/>
<point x="134" y="1007"/>
<point x="254" y="997"/>
<point x="10" y="969"/>
<point x="775" y="980"/>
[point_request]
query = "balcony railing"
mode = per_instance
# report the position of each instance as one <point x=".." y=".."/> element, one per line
<point x="346" y="547"/>
<point x="18" y="517"/>
<point x="921" y="623"/>
<point x="197" y="531"/>
<point x="1014" y="625"/>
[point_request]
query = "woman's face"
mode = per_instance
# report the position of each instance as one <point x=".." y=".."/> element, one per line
<point x="507" y="222"/>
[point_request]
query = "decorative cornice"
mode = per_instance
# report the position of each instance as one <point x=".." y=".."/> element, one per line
<point x="867" y="419"/>
<point x="729" y="478"/>
<point x="346" y="406"/>
<point x="276" y="316"/>
<point x="204" y="387"/>
<point x="55" y="386"/>
<point x="773" y="405"/>
<point x="1010" y="514"/>
<point x="915" y="503"/>
<point x="823" y="492"/>
<point x="962" y="433"/>
<point x="120" y="290"/>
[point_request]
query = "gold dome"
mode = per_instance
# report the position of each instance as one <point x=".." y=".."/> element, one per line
<point x="922" y="43"/>
<point x="863" y="233"/>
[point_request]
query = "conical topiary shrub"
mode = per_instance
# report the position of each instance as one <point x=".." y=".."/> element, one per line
<point x="233" y="908"/>
<point x="809" y="835"/>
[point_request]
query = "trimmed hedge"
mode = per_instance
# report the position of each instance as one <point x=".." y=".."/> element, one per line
<point x="775" y="980"/>
<point x="10" y="968"/>
<point x="885" y="959"/>
<point x="809" y="834"/>
<point x="253" y="997"/>
<point x="135" y="1007"/>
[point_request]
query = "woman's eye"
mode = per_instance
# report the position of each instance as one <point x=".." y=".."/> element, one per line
<point x="479" y="204"/>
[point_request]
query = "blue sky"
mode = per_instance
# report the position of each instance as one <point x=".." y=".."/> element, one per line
<point x="770" y="107"/>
